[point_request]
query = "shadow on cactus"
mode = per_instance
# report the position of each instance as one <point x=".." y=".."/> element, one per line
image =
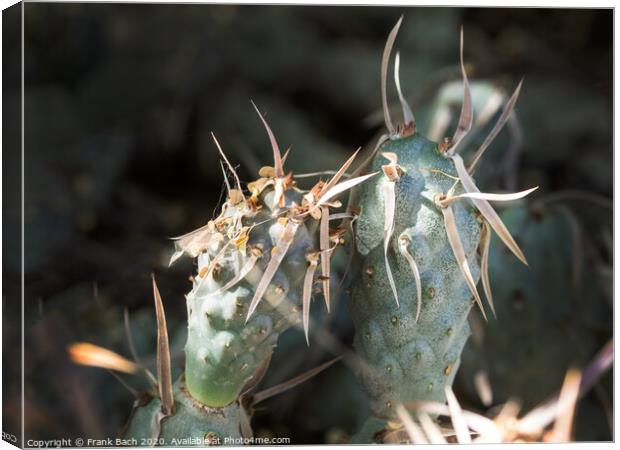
<point x="423" y="236"/>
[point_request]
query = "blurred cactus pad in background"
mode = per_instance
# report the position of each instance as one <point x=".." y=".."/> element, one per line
<point x="120" y="102"/>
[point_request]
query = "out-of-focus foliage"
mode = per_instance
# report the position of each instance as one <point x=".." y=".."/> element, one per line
<point x="551" y="316"/>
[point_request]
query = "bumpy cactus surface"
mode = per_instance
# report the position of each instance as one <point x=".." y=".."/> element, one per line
<point x="412" y="359"/>
<point x="420" y="228"/>
<point x="223" y="351"/>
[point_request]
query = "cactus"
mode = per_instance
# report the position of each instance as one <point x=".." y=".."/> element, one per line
<point x="257" y="266"/>
<point x="265" y="246"/>
<point x="419" y="231"/>
<point x="224" y="349"/>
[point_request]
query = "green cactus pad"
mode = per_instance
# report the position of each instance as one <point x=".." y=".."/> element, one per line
<point x="409" y="360"/>
<point x="223" y="352"/>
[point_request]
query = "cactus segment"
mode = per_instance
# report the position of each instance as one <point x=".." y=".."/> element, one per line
<point x="226" y="342"/>
<point x="409" y="358"/>
<point x="260" y="247"/>
<point x="256" y="270"/>
<point x="257" y="266"/>
<point x="420" y="230"/>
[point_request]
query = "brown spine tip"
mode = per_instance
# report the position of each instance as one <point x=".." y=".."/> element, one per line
<point x="164" y="365"/>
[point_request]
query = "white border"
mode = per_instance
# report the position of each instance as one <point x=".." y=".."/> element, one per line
<point x="454" y="3"/>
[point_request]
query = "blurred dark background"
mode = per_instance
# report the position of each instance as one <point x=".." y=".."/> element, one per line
<point x="119" y="104"/>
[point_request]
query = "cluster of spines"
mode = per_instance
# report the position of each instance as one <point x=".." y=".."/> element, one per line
<point x="240" y="215"/>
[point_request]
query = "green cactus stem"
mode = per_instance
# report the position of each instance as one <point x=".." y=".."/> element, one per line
<point x="264" y="247"/>
<point x="412" y="359"/>
<point x="421" y="247"/>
